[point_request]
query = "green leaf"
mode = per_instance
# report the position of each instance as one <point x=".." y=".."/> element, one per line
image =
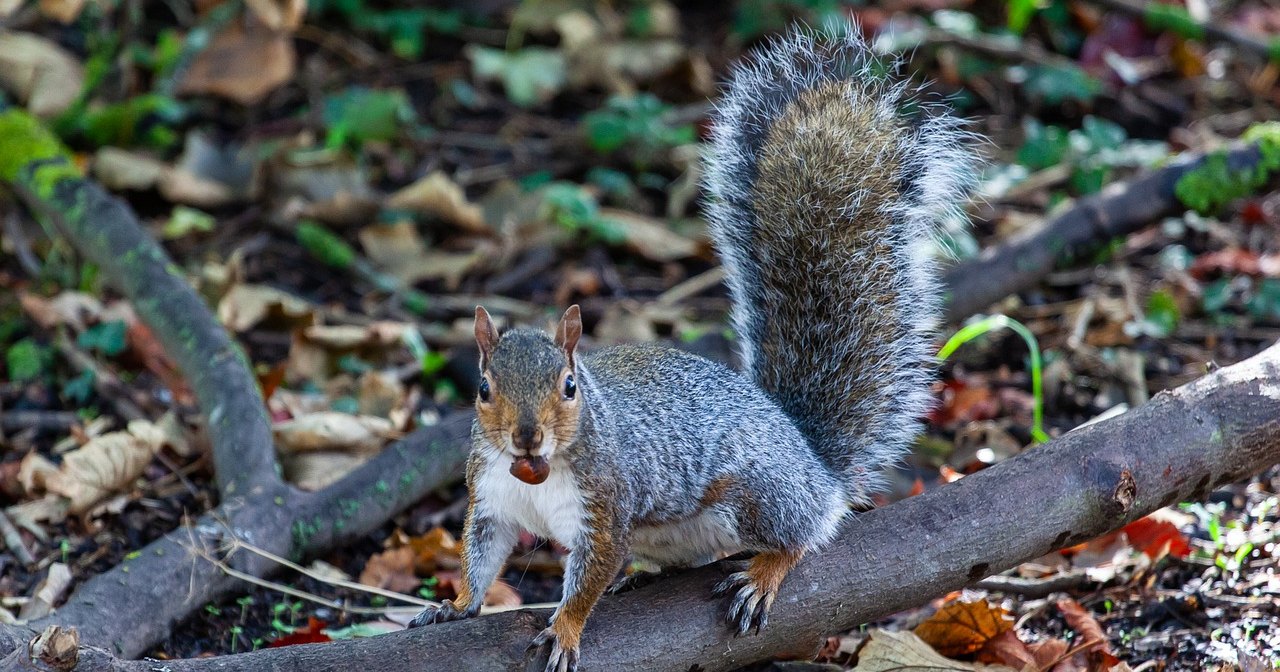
<point x="1162" y="313"/>
<point x="529" y="76"/>
<point x="361" y="114"/>
<point x="1265" y="302"/>
<point x="184" y="221"/>
<point x="1044" y="146"/>
<point x="1056" y="85"/>
<point x="325" y="245"/>
<point x="107" y="338"/>
<point x="1216" y="295"/>
<point x="26" y="360"/>
<point x="1020" y="13"/>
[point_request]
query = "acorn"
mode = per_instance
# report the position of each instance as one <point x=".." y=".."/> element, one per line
<point x="531" y="470"/>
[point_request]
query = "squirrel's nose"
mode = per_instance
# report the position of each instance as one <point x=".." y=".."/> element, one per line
<point x="526" y="439"/>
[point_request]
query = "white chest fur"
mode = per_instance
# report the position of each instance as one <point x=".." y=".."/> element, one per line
<point x="552" y="509"/>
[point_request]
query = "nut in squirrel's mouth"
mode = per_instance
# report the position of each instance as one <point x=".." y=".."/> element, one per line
<point x="532" y="469"/>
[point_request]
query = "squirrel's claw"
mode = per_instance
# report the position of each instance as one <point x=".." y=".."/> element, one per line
<point x="749" y="608"/>
<point x="633" y="581"/>
<point x="561" y="659"/>
<point x="441" y="614"/>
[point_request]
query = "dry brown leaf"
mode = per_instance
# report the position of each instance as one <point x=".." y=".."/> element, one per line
<point x="119" y="169"/>
<point x="439" y="196"/>
<point x="74" y="309"/>
<point x="182" y="186"/>
<point x="397" y="249"/>
<point x="434" y="550"/>
<point x="47" y="593"/>
<point x="962" y="628"/>
<point x="378" y="394"/>
<point x="312" y="471"/>
<point x="43" y="75"/>
<point x="500" y="594"/>
<point x="652" y="237"/>
<point x="888" y="651"/>
<point x="391" y="570"/>
<point x="1091" y="640"/>
<point x="102" y="467"/>
<point x="244" y="62"/>
<point x="244" y="306"/>
<point x="330" y="430"/>
<point x="64" y="11"/>
<point x="279" y="14"/>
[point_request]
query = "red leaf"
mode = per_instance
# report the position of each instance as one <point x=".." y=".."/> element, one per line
<point x="312" y="634"/>
<point x="1157" y="537"/>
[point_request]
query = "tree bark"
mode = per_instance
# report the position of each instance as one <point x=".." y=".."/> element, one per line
<point x="1180" y="446"/>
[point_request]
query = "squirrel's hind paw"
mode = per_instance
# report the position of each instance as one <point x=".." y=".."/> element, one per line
<point x="756" y="588"/>
<point x="561" y="658"/>
<point x="749" y="608"/>
<point x="441" y="614"/>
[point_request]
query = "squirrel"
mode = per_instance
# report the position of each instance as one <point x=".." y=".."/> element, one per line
<point x="823" y="189"/>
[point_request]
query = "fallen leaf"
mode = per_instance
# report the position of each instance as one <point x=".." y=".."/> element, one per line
<point x="1091" y="641"/>
<point x="398" y="249"/>
<point x="279" y="14"/>
<point x="531" y="75"/>
<point x="333" y="431"/>
<point x="63" y="11"/>
<point x="888" y="651"/>
<point x="100" y="468"/>
<point x="146" y="349"/>
<point x="652" y="237"/>
<point x="312" y="634"/>
<point x="317" y="470"/>
<point x="962" y="628"/>
<point x="379" y="393"/>
<point x="391" y="570"/>
<point x="500" y="594"/>
<point x="43" y="75"/>
<point x="1157" y="538"/>
<point x="122" y="170"/>
<point x="437" y="195"/>
<point x="244" y="306"/>
<point x="436" y="549"/>
<point x="244" y="62"/>
<point x="47" y="593"/>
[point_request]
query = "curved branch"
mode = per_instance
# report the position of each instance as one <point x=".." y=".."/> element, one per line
<point x="136" y="604"/>
<point x="1178" y="447"/>
<point x="106" y="232"/>
<point x="1118" y="210"/>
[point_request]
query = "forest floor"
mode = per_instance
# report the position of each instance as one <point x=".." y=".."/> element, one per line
<point x="344" y="186"/>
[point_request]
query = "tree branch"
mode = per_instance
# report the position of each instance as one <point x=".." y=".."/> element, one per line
<point x="136" y="604"/>
<point x="1118" y="210"/>
<point x="1178" y="447"/>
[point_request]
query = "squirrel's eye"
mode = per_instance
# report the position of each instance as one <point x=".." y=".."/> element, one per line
<point x="484" y="389"/>
<point x="570" y="387"/>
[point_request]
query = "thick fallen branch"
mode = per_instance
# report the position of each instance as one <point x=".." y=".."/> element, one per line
<point x="136" y="604"/>
<point x="1180" y="446"/>
<point x="1118" y="210"/>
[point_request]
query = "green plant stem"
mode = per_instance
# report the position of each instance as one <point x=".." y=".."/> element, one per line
<point x="992" y="323"/>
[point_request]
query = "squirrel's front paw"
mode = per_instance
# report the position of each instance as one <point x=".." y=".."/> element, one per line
<point x="441" y="614"/>
<point x="563" y="658"/>
<point x="750" y="605"/>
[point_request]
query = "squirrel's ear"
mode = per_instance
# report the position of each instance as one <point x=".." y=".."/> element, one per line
<point x="569" y="331"/>
<point x="486" y="336"/>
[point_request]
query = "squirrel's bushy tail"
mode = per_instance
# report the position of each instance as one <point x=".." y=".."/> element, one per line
<point x="823" y="189"/>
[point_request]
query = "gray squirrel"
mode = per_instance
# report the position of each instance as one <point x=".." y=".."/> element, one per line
<point x="822" y="190"/>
